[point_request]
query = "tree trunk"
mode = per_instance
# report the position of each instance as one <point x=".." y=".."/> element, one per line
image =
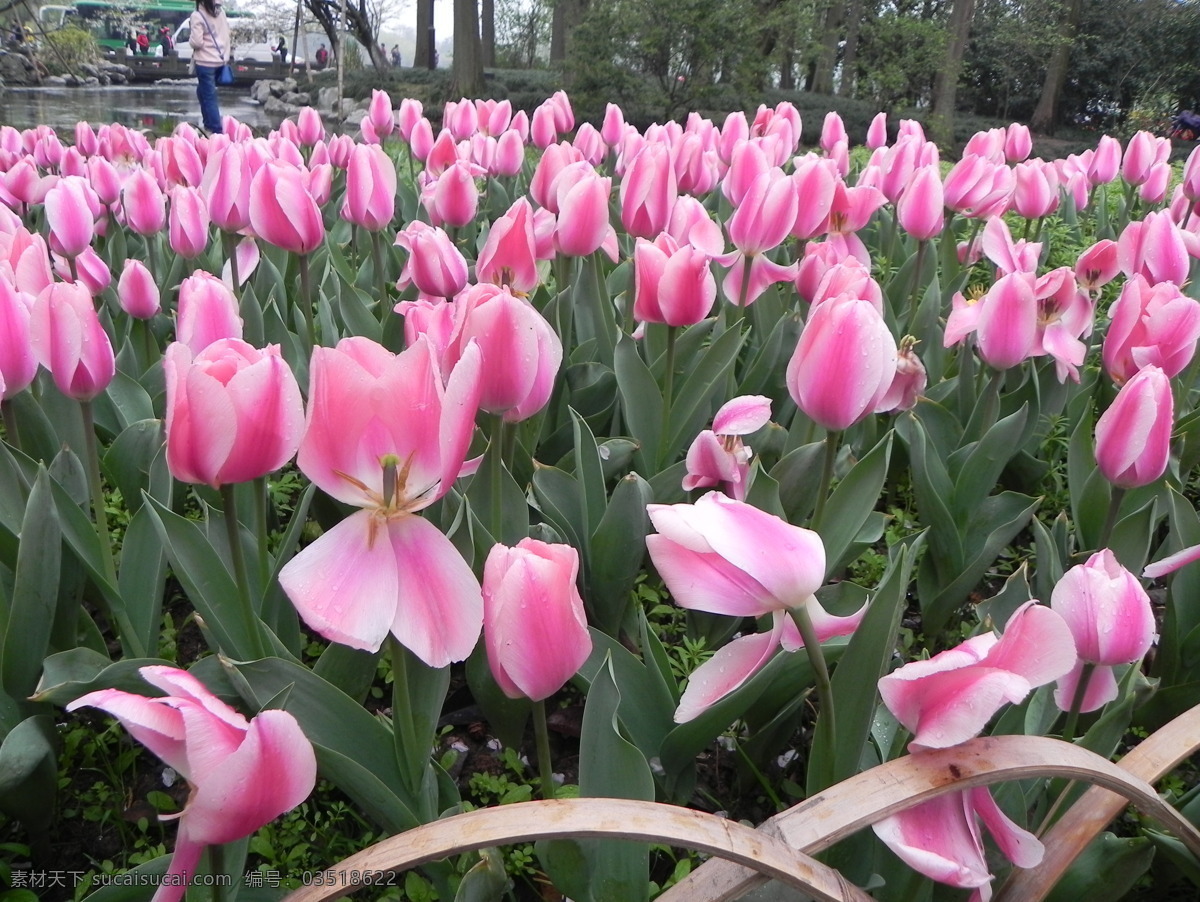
<point x="1045" y="117"/>
<point x="487" y="32"/>
<point x="558" y="32"/>
<point x="831" y="28"/>
<point x="467" y="78"/>
<point x="945" y="86"/>
<point x="423" y="57"/>
<point x="787" y="73"/>
<point x="854" y="16"/>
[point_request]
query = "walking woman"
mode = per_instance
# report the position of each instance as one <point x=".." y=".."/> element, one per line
<point x="210" y="51"/>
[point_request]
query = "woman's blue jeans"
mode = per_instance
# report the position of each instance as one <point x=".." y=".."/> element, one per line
<point x="206" y="93"/>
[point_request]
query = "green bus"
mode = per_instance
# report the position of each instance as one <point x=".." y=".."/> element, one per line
<point x="116" y="25"/>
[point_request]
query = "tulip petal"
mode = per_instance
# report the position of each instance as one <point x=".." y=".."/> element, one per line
<point x="440" y="611"/>
<point x="1036" y="644"/>
<point x="742" y="415"/>
<point x="182" y="869"/>
<point x="947" y="708"/>
<point x="156" y="725"/>
<point x="345" y="584"/>
<point x="939" y="839"/>
<point x="707" y="582"/>
<point x="724" y="672"/>
<point x="1172" y="562"/>
<point x="1019" y="846"/>
<point x="272" y="771"/>
<point x="1101" y="688"/>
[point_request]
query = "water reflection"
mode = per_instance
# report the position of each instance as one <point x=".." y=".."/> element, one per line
<point x="158" y="108"/>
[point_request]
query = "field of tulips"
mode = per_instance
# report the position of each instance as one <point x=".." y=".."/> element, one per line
<point x="699" y="469"/>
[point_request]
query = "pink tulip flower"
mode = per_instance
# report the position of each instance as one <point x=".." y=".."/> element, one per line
<point x="1133" y="436"/>
<point x="454" y="197"/>
<point x="1141" y="154"/>
<point x="672" y="284"/>
<point x="18" y="363"/>
<point x="309" y="127"/>
<point x="1151" y="325"/>
<point x="1106" y="161"/>
<point x="520" y="351"/>
<point x="762" y="221"/>
<point x="432" y="318"/>
<point x="283" y="212"/>
<point x="435" y="265"/>
<point x="921" y="208"/>
<point x="206" y="312"/>
<point x="226" y="185"/>
<point x="379" y="112"/>
<point x="1018" y="142"/>
<point x="844" y="363"/>
<point x="941" y="839"/>
<point x="909" y="382"/>
<point x="71" y="210"/>
<point x="509" y="255"/>
<point x="1005" y="321"/>
<point x="1064" y="316"/>
<point x="234" y="413"/>
<point x="1097" y="266"/>
<point x="1009" y="256"/>
<point x="542" y="131"/>
<point x="68" y="340"/>
<point x="950" y="698"/>
<point x="187" y="223"/>
<point x="833" y="131"/>
<point x="582" y="227"/>
<point x="1036" y="192"/>
<point x="648" y="192"/>
<point x="534" y="628"/>
<point x="385" y="433"/>
<point x="408" y="115"/>
<point x="691" y="224"/>
<point x="137" y="291"/>
<point x="852" y="277"/>
<point x="816" y="183"/>
<point x="242" y="773"/>
<point x="1109" y="615"/>
<point x="877" y="135"/>
<point x="553" y="161"/>
<point x="510" y="154"/>
<point x="144" y="203"/>
<point x="717" y="457"/>
<point x="1154" y="189"/>
<point x="370" y="200"/>
<point x="713" y="556"/>
<point x="90" y="271"/>
<point x="613" y="127"/>
<point x="1154" y="247"/>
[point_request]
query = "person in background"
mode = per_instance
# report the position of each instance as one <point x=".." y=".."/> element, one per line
<point x="210" y="51"/>
<point x="396" y="55"/>
<point x="281" y="49"/>
<point x="143" y="42"/>
<point x="165" y="40"/>
<point x="322" y="57"/>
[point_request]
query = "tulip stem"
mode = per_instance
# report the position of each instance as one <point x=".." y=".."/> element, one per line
<point x="915" y="290"/>
<point x="96" y="485"/>
<point x="216" y="863"/>
<point x="831" y="449"/>
<point x="306" y="301"/>
<point x="380" y="277"/>
<point x="816" y="657"/>
<point x="229" y="242"/>
<point x="668" y="393"/>
<point x="253" y="634"/>
<point x="11" y="433"/>
<point x="542" y="736"/>
<point x="495" y="455"/>
<point x="1110" y="519"/>
<point x="260" y="527"/>
<point x="1085" y="677"/>
<point x="991" y="403"/>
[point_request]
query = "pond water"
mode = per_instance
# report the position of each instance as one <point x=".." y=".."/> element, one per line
<point x="158" y="108"/>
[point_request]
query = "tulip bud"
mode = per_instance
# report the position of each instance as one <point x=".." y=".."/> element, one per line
<point x="508" y="256"/>
<point x="187" y="228"/>
<point x="207" y="312"/>
<point x="672" y="284"/>
<point x="234" y="413"/>
<point x="844" y="363"/>
<point x="370" y="200"/>
<point x="144" y="203"/>
<point x="1109" y="615"/>
<point x="434" y="264"/>
<point x="535" y="630"/>
<point x="69" y="341"/>
<point x="137" y="291"/>
<point x="1133" y="437"/>
<point x="283" y="212"/>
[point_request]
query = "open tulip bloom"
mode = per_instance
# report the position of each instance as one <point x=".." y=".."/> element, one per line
<point x="386" y="435"/>
<point x="242" y="773"/>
